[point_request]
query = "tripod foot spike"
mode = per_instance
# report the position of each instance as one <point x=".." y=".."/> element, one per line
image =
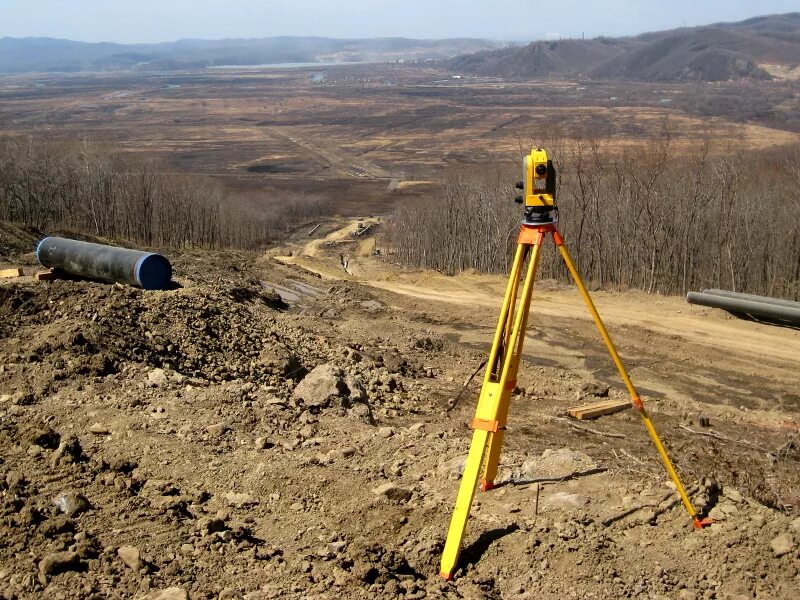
<point x="446" y="576"/>
<point x="486" y="485"/>
<point x="701" y="523"/>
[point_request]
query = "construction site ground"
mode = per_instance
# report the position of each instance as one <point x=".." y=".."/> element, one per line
<point x="279" y="427"/>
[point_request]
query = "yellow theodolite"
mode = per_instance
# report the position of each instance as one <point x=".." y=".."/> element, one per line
<point x="540" y="218"/>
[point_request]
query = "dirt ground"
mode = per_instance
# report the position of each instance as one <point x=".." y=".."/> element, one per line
<point x="279" y="427"/>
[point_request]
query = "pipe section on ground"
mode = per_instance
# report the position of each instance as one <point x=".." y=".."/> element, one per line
<point x="762" y="310"/>
<point x="754" y="298"/>
<point x="146" y="270"/>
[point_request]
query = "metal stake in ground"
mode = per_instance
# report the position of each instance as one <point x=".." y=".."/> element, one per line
<point x="489" y="424"/>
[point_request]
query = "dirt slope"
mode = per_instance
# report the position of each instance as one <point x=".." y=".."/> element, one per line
<point x="212" y="442"/>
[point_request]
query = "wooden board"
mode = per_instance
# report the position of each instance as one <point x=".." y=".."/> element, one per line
<point x="8" y="273"/>
<point x="46" y="275"/>
<point x="598" y="409"/>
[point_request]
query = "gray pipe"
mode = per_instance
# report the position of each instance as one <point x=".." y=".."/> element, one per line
<point x="106" y="263"/>
<point x="754" y="298"/>
<point x="748" y="307"/>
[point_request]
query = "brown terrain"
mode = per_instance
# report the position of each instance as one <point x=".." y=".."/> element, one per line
<point x="277" y="427"/>
<point x="369" y="136"/>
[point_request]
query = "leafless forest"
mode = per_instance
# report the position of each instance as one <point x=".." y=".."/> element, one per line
<point x="662" y="219"/>
<point x="88" y="188"/>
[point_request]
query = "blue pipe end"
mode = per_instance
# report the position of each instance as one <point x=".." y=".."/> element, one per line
<point x="39" y="250"/>
<point x="152" y="272"/>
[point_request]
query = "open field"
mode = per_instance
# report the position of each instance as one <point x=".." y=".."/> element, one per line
<point x="348" y="132"/>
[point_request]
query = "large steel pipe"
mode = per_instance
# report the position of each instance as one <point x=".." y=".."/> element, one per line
<point x="106" y="263"/>
<point x="756" y="309"/>
<point x="754" y="298"/>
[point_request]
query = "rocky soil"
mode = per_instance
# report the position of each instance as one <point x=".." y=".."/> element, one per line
<point x="213" y="441"/>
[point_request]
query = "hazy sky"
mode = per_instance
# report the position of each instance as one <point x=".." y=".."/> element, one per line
<point x="166" y="20"/>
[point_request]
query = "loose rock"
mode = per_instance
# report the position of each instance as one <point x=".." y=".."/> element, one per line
<point x="393" y="492"/>
<point x="72" y="503"/>
<point x="130" y="556"/>
<point x="783" y="544"/>
<point x="59" y="562"/>
<point x="320" y="386"/>
<point x="171" y="593"/>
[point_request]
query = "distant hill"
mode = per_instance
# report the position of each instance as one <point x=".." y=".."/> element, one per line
<point x="542" y="59"/>
<point x="18" y="55"/>
<point x="718" y="52"/>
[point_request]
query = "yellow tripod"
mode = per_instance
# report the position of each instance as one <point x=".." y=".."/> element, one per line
<point x="501" y="377"/>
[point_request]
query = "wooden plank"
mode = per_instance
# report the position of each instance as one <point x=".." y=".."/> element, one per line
<point x="8" y="273"/>
<point x="598" y="404"/>
<point x="598" y="409"/>
<point x="48" y="275"/>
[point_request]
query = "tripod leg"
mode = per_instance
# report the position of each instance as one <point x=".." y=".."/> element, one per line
<point x="511" y="366"/>
<point x="486" y="423"/>
<point x="636" y="401"/>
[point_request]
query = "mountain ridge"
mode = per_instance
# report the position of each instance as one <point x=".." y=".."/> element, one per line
<point x="716" y="52"/>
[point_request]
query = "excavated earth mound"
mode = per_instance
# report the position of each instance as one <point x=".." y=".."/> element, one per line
<point x="212" y="441"/>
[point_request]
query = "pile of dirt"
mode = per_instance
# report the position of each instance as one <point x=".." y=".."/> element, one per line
<point x="212" y="442"/>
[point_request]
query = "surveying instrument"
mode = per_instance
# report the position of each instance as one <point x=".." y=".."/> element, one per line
<point x="540" y="218"/>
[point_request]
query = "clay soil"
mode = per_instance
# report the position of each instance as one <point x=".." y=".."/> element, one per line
<point x="275" y="427"/>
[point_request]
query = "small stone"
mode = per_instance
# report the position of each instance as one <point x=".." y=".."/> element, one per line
<point x="385" y="432"/>
<point x="717" y="514"/>
<point x="217" y="429"/>
<point x="346" y="452"/>
<point x="393" y="492"/>
<point x="171" y="593"/>
<point x="417" y="426"/>
<point x="72" y="503"/>
<point x="99" y="429"/>
<point x="240" y="500"/>
<point x="783" y="544"/>
<point x="262" y="443"/>
<point x="157" y="377"/>
<point x="130" y="556"/>
<point x="34" y="450"/>
<point x="59" y="562"/>
<point x="732" y="494"/>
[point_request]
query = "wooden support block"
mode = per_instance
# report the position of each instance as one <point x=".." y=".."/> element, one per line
<point x="598" y="409"/>
<point x="8" y="273"/>
<point x="48" y="275"/>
